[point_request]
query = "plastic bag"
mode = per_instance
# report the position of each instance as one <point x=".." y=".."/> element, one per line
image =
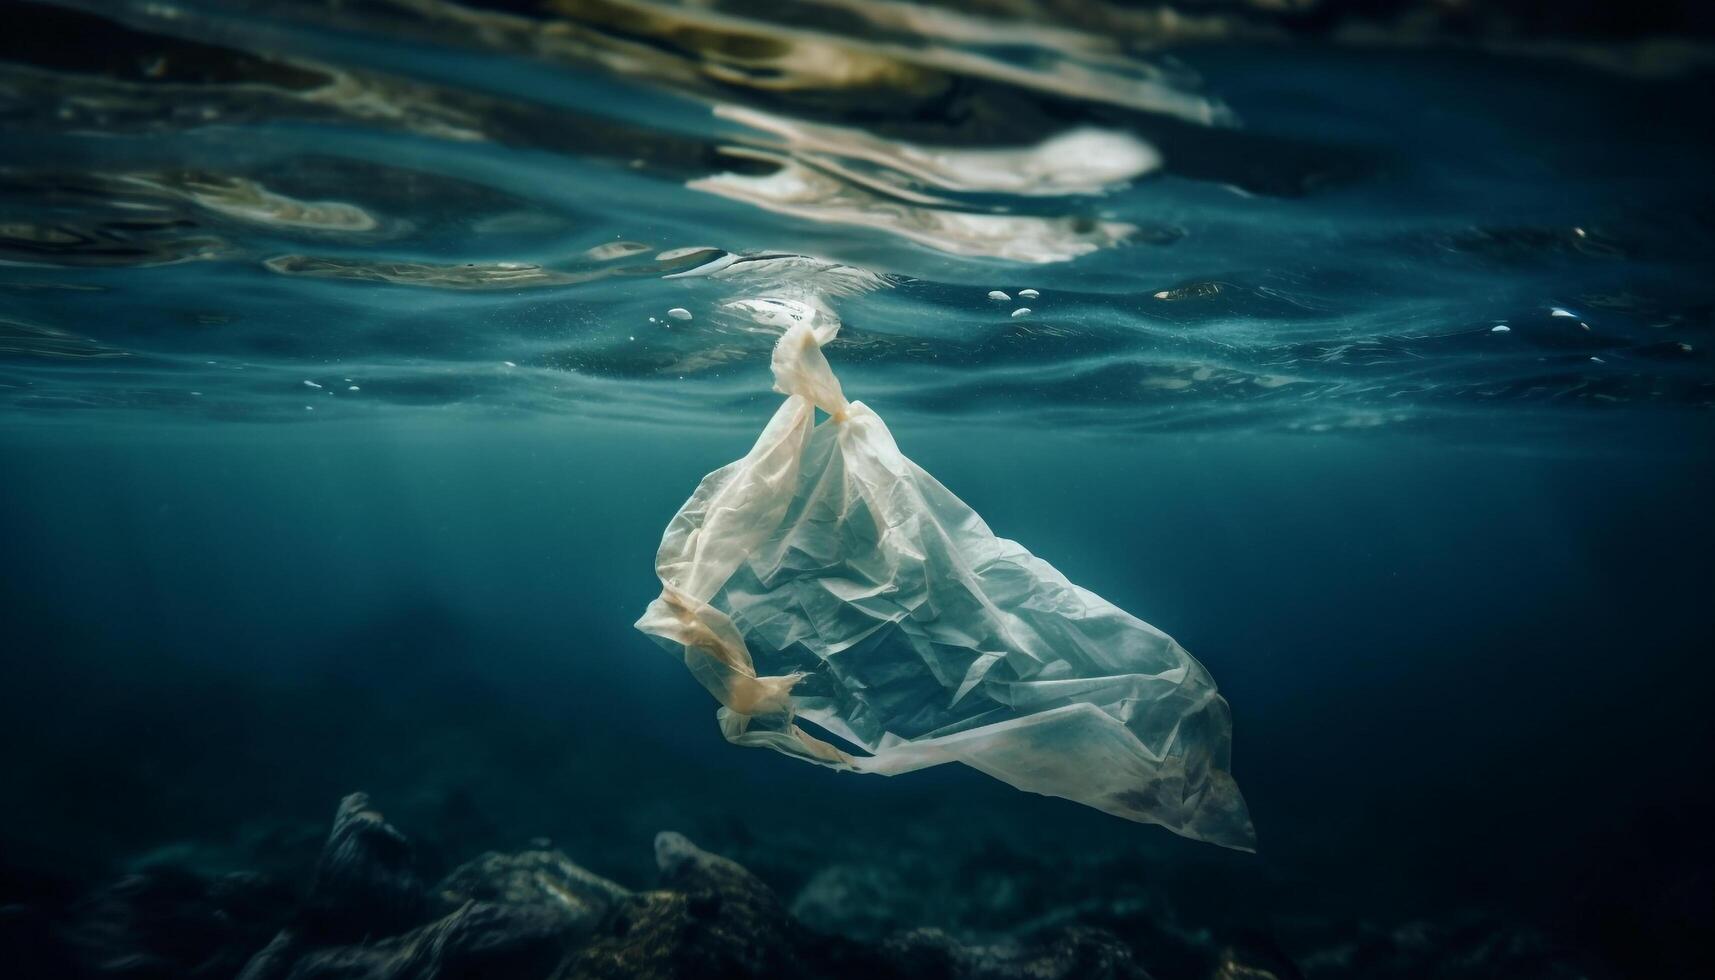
<point x="825" y="579"/>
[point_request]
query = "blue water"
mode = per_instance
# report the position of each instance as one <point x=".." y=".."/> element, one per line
<point x="333" y="454"/>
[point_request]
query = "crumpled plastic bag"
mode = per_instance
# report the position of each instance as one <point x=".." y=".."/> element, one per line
<point x="825" y="579"/>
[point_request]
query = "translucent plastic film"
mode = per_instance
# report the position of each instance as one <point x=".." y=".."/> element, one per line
<point x="847" y="609"/>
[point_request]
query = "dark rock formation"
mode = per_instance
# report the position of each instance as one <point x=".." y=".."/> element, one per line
<point x="713" y="918"/>
<point x="170" y="923"/>
<point x="368" y="916"/>
<point x="544" y="880"/>
<point x="478" y="941"/>
<point x="536" y="915"/>
<point x="366" y="881"/>
<point x="1070" y="953"/>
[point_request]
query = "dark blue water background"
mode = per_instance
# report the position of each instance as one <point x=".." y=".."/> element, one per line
<point x="1455" y="582"/>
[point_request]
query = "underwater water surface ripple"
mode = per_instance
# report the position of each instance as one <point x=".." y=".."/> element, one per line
<point x="268" y="211"/>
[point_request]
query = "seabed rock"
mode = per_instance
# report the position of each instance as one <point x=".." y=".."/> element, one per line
<point x="1070" y="952"/>
<point x="541" y="879"/>
<point x="713" y="918"/>
<point x="537" y="915"/>
<point x="170" y="923"/>
<point x="478" y="940"/>
<point x="366" y="881"/>
<point x="369" y="916"/>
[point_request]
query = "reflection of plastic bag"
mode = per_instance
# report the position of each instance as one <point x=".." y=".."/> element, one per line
<point x="824" y="578"/>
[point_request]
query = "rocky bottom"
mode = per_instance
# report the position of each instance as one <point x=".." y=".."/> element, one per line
<point x="368" y="914"/>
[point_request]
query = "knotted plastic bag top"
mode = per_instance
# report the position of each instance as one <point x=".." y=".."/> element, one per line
<point x="845" y="608"/>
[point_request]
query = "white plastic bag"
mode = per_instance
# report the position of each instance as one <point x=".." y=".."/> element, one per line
<point x="825" y="578"/>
